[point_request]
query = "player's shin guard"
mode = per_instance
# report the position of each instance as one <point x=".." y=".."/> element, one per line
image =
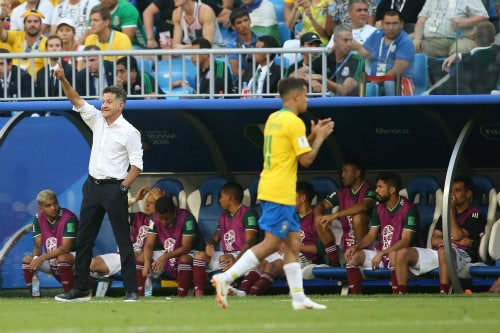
<point x="66" y="274"/>
<point x="141" y="280"/>
<point x="249" y="280"/>
<point x="199" y="277"/>
<point x="394" y="281"/>
<point x="262" y="285"/>
<point x="28" y="275"/>
<point x="354" y="278"/>
<point x="333" y="255"/>
<point x="184" y="278"/>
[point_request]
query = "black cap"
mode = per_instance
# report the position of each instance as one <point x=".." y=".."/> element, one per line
<point x="309" y="37"/>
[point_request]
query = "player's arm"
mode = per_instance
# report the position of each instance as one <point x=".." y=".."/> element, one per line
<point x="319" y="132"/>
<point x="361" y="207"/>
<point x="69" y="91"/>
<point x="37" y="245"/>
<point x="186" y="246"/>
<point x="148" y="252"/>
<point x="212" y="243"/>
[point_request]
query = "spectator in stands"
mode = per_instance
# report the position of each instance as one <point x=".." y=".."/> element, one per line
<point x="194" y="20"/>
<point x="467" y="224"/>
<point x="18" y="17"/>
<point x="310" y="64"/>
<point x="236" y="232"/>
<point x="102" y="35"/>
<point x="126" y="18"/>
<point x="176" y="229"/>
<point x="313" y="17"/>
<point x="262" y="17"/>
<point x="478" y="70"/>
<point x="96" y="75"/>
<point x="163" y="9"/>
<point x="495" y="288"/>
<point x="66" y="31"/>
<point x="141" y="83"/>
<point x="13" y="86"/>
<point x="338" y="10"/>
<point x="76" y="14"/>
<point x="244" y="39"/>
<point x="409" y="12"/>
<point x="441" y="22"/>
<point x="30" y="40"/>
<point x="344" y="67"/>
<point x="394" y="222"/>
<point x="46" y="82"/>
<point x="285" y="135"/>
<point x="391" y="51"/>
<point x="258" y="281"/>
<point x="54" y="229"/>
<point x="109" y="264"/>
<point x="355" y="199"/>
<point x="267" y="74"/>
<point x="219" y="71"/>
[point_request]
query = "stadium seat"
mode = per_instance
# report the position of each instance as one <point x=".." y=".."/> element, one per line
<point x="372" y="89"/>
<point x="285" y="33"/>
<point x="147" y="67"/>
<point x="250" y="196"/>
<point x="324" y="186"/>
<point x="177" y="69"/>
<point x="485" y="198"/>
<point x="426" y="193"/>
<point x="278" y="7"/>
<point x="204" y="204"/>
<point x="175" y="188"/>
<point x="420" y="73"/>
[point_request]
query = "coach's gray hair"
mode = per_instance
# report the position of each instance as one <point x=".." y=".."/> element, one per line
<point x="341" y="28"/>
<point x="45" y="195"/>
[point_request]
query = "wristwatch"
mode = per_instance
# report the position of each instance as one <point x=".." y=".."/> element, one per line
<point x="124" y="189"/>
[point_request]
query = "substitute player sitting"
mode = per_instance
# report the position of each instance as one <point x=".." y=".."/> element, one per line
<point x="236" y="231"/>
<point x="177" y="231"/>
<point x="54" y="228"/>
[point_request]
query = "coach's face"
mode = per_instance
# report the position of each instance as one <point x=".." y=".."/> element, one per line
<point x="111" y="107"/>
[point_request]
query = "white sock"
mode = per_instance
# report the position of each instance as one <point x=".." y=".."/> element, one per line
<point x="295" y="283"/>
<point x="247" y="262"/>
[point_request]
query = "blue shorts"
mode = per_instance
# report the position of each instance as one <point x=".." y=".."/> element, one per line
<point x="278" y="219"/>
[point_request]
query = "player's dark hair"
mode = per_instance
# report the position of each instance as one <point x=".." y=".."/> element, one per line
<point x="289" y="85"/>
<point x="356" y="164"/>
<point x="307" y="189"/>
<point x="165" y="205"/>
<point x="125" y="62"/>
<point x="468" y="184"/>
<point x="234" y="189"/>
<point x="391" y="179"/>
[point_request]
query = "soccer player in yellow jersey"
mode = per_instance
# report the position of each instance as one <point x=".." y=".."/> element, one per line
<point x="285" y="145"/>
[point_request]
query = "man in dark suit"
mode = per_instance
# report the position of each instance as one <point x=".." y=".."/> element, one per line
<point x="12" y="85"/>
<point x="46" y="83"/>
<point x="263" y="80"/>
<point x="96" y="76"/>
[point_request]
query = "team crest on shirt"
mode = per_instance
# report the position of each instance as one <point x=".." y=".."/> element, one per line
<point x="116" y="21"/>
<point x="303" y="143"/>
<point x="345" y="71"/>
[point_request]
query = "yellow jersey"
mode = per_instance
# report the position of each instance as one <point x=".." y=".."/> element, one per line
<point x="17" y="42"/>
<point x="117" y="41"/>
<point x="284" y="140"/>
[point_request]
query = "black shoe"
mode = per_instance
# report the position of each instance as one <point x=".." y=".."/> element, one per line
<point x="131" y="297"/>
<point x="74" y="295"/>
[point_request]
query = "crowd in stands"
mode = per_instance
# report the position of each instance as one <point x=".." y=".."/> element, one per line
<point x="361" y="42"/>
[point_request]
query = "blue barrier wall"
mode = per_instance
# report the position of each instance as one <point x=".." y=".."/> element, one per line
<point x="225" y="137"/>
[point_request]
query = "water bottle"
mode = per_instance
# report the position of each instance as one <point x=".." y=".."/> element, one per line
<point x="245" y="90"/>
<point x="35" y="286"/>
<point x="148" y="287"/>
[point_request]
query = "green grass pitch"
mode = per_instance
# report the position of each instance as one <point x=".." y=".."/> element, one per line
<point x="422" y="313"/>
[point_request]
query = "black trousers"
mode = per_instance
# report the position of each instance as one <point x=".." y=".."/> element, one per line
<point x="99" y="199"/>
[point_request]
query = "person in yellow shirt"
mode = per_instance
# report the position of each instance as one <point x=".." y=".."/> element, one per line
<point x="30" y="40"/>
<point x="285" y="146"/>
<point x="103" y="36"/>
